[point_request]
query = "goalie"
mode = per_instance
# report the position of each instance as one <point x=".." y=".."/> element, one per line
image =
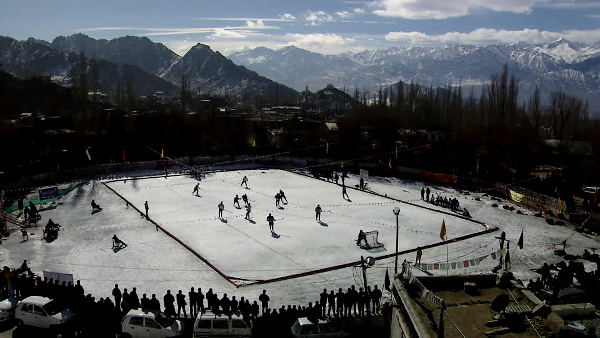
<point x="362" y="237"/>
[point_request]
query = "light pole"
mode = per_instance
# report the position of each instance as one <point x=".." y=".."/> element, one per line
<point x="396" y="212"/>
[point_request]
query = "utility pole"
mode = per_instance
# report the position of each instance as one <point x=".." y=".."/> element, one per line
<point x="364" y="271"/>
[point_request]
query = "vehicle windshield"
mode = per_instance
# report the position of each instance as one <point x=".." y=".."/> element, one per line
<point x="54" y="307"/>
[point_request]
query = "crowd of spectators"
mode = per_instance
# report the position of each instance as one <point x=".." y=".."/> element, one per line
<point x="88" y="311"/>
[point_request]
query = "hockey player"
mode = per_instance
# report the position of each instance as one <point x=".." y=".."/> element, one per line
<point x="248" y="209"/>
<point x="244" y="182"/>
<point x="221" y="208"/>
<point x="361" y="237"/>
<point x="245" y="199"/>
<point x="277" y="199"/>
<point x="336" y="177"/>
<point x="196" y="189"/>
<point x="271" y="219"/>
<point x="344" y="193"/>
<point x="236" y="202"/>
<point x="361" y="182"/>
<point x="95" y="207"/>
<point x="146" y="207"/>
<point x="117" y="243"/>
<point x="282" y="194"/>
<point x="318" y="213"/>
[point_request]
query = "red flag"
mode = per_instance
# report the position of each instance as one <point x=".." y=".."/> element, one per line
<point x="595" y="198"/>
<point x="123" y="154"/>
<point x="520" y="243"/>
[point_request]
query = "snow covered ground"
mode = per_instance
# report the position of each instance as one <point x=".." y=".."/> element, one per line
<point x="153" y="262"/>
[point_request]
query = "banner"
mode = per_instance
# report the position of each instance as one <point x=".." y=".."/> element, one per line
<point x="515" y="196"/>
<point x="364" y="174"/>
<point x="48" y="193"/>
<point x="61" y="277"/>
<point x="457" y="264"/>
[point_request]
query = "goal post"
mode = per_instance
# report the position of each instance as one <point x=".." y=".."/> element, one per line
<point x="372" y="240"/>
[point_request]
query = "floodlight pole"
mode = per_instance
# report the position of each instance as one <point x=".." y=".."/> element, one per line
<point x="396" y="212"/>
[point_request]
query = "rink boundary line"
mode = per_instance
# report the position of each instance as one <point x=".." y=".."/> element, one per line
<point x="397" y="200"/>
<point x="227" y="278"/>
<point x="350" y="264"/>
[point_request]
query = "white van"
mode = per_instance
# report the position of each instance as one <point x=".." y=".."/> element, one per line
<point x="209" y="324"/>
<point x="42" y="312"/>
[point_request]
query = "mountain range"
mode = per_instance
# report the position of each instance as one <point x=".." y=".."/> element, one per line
<point x="148" y="66"/>
<point x="561" y="65"/>
<point x="279" y="74"/>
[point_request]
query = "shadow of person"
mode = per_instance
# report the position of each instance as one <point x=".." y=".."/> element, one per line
<point x="280" y="207"/>
<point x="323" y="224"/>
<point x="117" y="248"/>
<point x="223" y="220"/>
<point x="274" y="234"/>
<point x="95" y="211"/>
<point x="251" y="221"/>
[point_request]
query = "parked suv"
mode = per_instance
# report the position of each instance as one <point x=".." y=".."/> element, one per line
<point x="149" y="324"/>
<point x="209" y="324"/>
<point x="304" y="328"/>
<point x="42" y="312"/>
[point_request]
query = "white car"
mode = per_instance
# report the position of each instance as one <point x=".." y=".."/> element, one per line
<point x="304" y="328"/>
<point x="7" y="309"/>
<point x="149" y="324"/>
<point x="42" y="312"/>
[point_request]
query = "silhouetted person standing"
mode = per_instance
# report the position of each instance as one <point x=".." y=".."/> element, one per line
<point x="117" y="294"/>
<point x="181" y="303"/>
<point x="146" y="207"/>
<point x="264" y="300"/>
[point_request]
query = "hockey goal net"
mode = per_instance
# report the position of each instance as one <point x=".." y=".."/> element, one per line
<point x="371" y="239"/>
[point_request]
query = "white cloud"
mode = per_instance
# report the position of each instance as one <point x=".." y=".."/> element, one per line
<point x="317" y="18"/>
<point x="318" y="41"/>
<point x="570" y="4"/>
<point x="435" y="9"/>
<point x="484" y="36"/>
<point x="344" y="14"/>
<point x="287" y="17"/>
<point x="257" y="24"/>
<point x="225" y="33"/>
<point x="358" y="11"/>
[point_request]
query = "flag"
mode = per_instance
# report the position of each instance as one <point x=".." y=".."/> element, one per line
<point x="396" y="152"/>
<point x="443" y="231"/>
<point x="595" y="198"/>
<point x="327" y="148"/>
<point x="520" y="243"/>
<point x="123" y="154"/>
<point x="477" y="165"/>
<point x="390" y="163"/>
<point x="387" y="280"/>
<point x="507" y="260"/>
<point x="87" y="152"/>
<point x="162" y="152"/>
<point x="560" y="207"/>
<point x="342" y="165"/>
<point x="493" y="255"/>
<point x="254" y="143"/>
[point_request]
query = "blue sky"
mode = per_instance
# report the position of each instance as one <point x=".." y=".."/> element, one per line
<point x="326" y="26"/>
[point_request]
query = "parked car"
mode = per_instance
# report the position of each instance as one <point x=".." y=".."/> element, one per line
<point x="43" y="312"/>
<point x="149" y="324"/>
<point x="209" y="324"/>
<point x="304" y="328"/>
<point x="7" y="309"/>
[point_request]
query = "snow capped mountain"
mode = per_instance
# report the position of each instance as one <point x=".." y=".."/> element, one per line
<point x="560" y="65"/>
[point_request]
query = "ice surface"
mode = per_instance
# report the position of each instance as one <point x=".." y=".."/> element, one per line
<point x="153" y="262"/>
